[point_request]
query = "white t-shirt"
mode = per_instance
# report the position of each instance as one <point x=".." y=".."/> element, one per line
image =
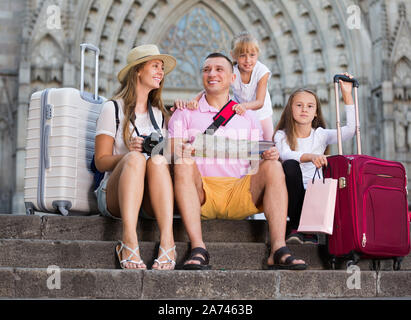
<point x="106" y="124"/>
<point x="246" y="92"/>
<point x="316" y="143"/>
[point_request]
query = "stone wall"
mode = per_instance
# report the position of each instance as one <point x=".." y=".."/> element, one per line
<point x="11" y="21"/>
<point x="304" y="43"/>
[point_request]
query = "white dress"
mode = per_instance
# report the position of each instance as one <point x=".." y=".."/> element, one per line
<point x="316" y="143"/>
<point x="246" y="92"/>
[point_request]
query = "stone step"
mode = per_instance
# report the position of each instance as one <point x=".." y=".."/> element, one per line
<point x="55" y="227"/>
<point x="75" y="254"/>
<point x="42" y="283"/>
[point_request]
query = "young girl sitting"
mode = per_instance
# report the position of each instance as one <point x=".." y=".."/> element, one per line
<point x="301" y="139"/>
<point x="250" y="85"/>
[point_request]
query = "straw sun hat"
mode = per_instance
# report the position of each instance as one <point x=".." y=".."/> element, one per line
<point x="145" y="53"/>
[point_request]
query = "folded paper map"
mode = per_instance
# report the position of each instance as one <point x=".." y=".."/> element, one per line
<point x="212" y="146"/>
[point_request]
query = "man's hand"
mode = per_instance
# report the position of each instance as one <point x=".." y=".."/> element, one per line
<point x="270" y="154"/>
<point x="183" y="151"/>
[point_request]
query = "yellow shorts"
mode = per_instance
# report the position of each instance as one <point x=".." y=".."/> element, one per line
<point x="228" y="198"/>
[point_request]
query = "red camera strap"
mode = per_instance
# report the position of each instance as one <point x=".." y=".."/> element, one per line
<point x="222" y="117"/>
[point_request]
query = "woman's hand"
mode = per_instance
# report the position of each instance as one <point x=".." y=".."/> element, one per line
<point x="346" y="90"/>
<point x="136" y="144"/>
<point x="319" y="160"/>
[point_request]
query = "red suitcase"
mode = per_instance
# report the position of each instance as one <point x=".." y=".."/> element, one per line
<point x="371" y="211"/>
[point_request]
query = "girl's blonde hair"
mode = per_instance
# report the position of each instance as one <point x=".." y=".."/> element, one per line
<point x="128" y="92"/>
<point x="287" y="122"/>
<point x="243" y="42"/>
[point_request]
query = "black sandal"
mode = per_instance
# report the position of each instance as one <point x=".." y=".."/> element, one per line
<point x="288" y="263"/>
<point x="203" y="260"/>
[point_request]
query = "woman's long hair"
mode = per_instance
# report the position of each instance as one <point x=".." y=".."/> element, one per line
<point x="128" y="92"/>
<point x="287" y="123"/>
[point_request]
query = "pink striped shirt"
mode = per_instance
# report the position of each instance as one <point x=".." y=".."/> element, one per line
<point x="186" y="124"/>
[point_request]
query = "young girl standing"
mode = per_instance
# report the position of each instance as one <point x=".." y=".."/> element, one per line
<point x="301" y="139"/>
<point x="250" y="85"/>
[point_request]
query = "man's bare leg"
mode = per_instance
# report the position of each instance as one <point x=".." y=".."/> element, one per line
<point x="189" y="193"/>
<point x="268" y="187"/>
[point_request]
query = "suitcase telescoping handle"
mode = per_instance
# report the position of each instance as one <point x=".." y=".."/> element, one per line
<point x="91" y="47"/>
<point x="357" y="116"/>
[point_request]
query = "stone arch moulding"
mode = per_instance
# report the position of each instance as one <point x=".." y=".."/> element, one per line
<point x="219" y="9"/>
<point x="229" y="14"/>
<point x="213" y="34"/>
<point x="166" y="22"/>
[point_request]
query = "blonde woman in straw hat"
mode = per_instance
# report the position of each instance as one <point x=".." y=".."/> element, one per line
<point x="132" y="178"/>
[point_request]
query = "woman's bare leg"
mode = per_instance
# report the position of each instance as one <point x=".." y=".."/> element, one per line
<point x="125" y="189"/>
<point x="160" y="188"/>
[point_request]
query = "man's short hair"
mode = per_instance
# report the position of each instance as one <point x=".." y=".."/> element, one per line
<point x="220" y="55"/>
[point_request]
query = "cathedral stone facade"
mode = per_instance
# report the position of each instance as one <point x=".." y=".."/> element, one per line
<point x="303" y="42"/>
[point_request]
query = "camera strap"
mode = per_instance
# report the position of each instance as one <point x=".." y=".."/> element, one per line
<point x="222" y="117"/>
<point x="152" y="119"/>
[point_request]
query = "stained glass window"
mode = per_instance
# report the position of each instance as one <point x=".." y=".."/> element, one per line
<point x="197" y="34"/>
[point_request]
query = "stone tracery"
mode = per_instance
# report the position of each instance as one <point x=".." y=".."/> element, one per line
<point x="303" y="43"/>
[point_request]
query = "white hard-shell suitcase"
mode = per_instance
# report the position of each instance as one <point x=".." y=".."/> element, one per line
<point x="61" y="128"/>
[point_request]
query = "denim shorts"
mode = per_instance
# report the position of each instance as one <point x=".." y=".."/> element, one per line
<point x="101" y="194"/>
<point x="102" y="200"/>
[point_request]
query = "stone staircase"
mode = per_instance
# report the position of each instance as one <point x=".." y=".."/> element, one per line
<point x="51" y="256"/>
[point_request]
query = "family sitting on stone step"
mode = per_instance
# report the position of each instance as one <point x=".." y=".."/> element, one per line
<point x="135" y="179"/>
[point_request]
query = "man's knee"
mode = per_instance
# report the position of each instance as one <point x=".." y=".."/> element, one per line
<point x="272" y="169"/>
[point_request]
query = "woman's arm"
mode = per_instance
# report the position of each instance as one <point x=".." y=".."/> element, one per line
<point x="104" y="158"/>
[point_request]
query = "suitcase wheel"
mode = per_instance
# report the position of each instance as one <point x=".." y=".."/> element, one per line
<point x="333" y="263"/>
<point x="397" y="263"/>
<point x="376" y="265"/>
<point x="29" y="211"/>
<point x="355" y="258"/>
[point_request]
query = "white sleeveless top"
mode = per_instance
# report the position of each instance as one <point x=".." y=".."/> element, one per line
<point x="246" y="92"/>
<point x="106" y="124"/>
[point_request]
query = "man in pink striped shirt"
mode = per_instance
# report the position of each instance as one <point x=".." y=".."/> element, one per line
<point x="226" y="189"/>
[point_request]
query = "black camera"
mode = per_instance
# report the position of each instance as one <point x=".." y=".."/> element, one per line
<point x="151" y="141"/>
